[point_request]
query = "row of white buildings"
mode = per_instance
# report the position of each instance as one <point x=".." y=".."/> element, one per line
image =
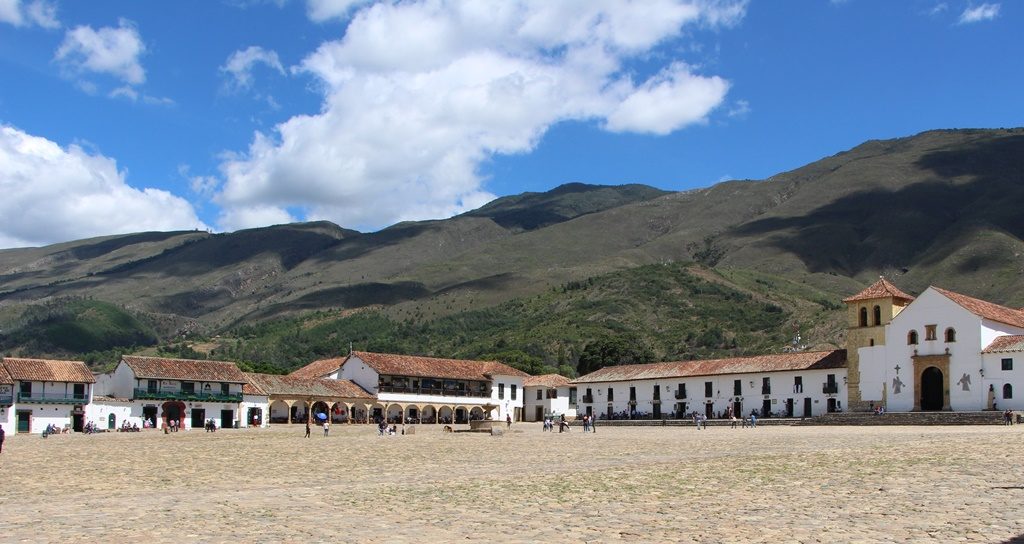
<point x="940" y="351"/>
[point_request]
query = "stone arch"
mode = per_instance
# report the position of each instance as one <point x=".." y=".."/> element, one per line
<point x="476" y="412"/>
<point x="412" y="413"/>
<point x="395" y="412"/>
<point x="339" y="412"/>
<point x="446" y="414"/>
<point x="863" y="317"/>
<point x="428" y="414"/>
<point x="360" y="411"/>
<point x="280" y="410"/>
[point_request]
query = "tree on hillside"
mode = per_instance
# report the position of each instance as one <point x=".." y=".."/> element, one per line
<point x="613" y="350"/>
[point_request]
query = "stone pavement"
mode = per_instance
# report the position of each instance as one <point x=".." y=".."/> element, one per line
<point x="771" y="484"/>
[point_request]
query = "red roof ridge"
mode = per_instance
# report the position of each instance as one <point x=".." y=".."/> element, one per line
<point x="984" y="309"/>
<point x="547" y="380"/>
<point x="880" y="289"/>
<point x="47" y="370"/>
<point x="435" y="367"/>
<point x="774" y="362"/>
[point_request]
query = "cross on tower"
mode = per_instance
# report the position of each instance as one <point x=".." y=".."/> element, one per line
<point x="897" y="369"/>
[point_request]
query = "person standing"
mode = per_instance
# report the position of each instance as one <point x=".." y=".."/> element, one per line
<point x="508" y="421"/>
<point x="307" y="429"/>
<point x="327" y="428"/>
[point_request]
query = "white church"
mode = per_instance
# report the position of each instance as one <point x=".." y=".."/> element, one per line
<point x="939" y="351"/>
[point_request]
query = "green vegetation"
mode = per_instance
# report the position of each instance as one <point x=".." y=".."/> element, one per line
<point x="654" y="312"/>
<point x="77" y="326"/>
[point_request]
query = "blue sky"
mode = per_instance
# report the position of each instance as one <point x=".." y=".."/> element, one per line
<point x="125" y="116"/>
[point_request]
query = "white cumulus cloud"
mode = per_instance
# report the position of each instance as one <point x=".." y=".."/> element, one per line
<point x="52" y="194"/>
<point x="110" y="51"/>
<point x="37" y="12"/>
<point x="322" y="10"/>
<point x="983" y="12"/>
<point x="240" y="64"/>
<point x="417" y="95"/>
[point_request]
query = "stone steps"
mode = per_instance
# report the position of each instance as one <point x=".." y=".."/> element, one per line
<point x="909" y="418"/>
<point x="838" y="418"/>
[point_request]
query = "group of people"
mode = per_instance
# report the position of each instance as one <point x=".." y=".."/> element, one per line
<point x="172" y="426"/>
<point x="1008" y="417"/>
<point x="129" y="428"/>
<point x="210" y="426"/>
<point x="549" y="424"/>
<point x="384" y="430"/>
<point x="53" y="429"/>
<point x="588" y="424"/>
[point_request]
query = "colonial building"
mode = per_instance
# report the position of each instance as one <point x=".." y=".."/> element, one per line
<point x="801" y="384"/>
<point x="940" y="351"/>
<point x="186" y="391"/>
<point x="548" y="395"/>
<point x="427" y="389"/>
<point x="292" y="399"/>
<point x="43" y="392"/>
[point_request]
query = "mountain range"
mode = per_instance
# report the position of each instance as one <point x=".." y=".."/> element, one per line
<point x="942" y="207"/>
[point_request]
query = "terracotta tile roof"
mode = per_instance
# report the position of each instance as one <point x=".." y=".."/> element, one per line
<point x="318" y="369"/>
<point x="431" y="367"/>
<point x="184" y="369"/>
<point x="546" y="380"/>
<point x="1006" y="344"/>
<point x="880" y="289"/>
<point x="45" y="370"/>
<point x="985" y="310"/>
<point x="291" y="386"/>
<point x="808" y="360"/>
<point x="5" y="378"/>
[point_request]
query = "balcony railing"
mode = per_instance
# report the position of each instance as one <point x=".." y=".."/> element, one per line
<point x="680" y="395"/>
<point x="53" y="398"/>
<point x="189" y="397"/>
<point x="588" y="399"/>
<point x="766" y="390"/>
<point x="432" y="391"/>
<point x="830" y="388"/>
<point x="6" y="400"/>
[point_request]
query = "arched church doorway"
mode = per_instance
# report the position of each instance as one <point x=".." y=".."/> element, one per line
<point x="931" y="389"/>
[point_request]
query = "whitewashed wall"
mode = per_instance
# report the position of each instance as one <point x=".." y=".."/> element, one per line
<point x="99" y="414"/>
<point x="254" y="401"/>
<point x="782" y="388"/>
<point x="356" y="370"/>
<point x="968" y="388"/>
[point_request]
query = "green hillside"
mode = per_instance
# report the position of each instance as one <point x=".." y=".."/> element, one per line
<point x="941" y="208"/>
<point x="76" y="327"/>
<point x="658" y="312"/>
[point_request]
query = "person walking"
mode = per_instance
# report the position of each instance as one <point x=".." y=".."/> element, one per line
<point x="508" y="421"/>
<point x="307" y="429"/>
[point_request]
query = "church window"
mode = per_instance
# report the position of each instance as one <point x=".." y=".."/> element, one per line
<point x="863" y="317"/>
<point x="1007" y="364"/>
<point x="1007" y="391"/>
<point x="951" y="335"/>
<point x="912" y="338"/>
<point x="871" y="341"/>
<point x="878" y="315"/>
<point x="929" y="332"/>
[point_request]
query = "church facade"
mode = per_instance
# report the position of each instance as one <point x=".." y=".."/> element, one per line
<point x="939" y="351"/>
